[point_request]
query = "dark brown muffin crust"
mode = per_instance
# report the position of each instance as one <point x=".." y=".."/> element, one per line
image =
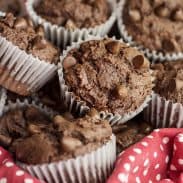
<point x="131" y="132"/>
<point x="169" y="80"/>
<point x="22" y="33"/>
<point x="35" y="139"/>
<point x="74" y="14"/>
<point x="155" y="24"/>
<point x="108" y="75"/>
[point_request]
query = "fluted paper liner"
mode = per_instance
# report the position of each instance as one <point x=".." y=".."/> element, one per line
<point x="151" y="54"/>
<point x="162" y="113"/>
<point x="75" y="105"/>
<point x="21" y="72"/>
<point x="3" y="98"/>
<point x="93" y="167"/>
<point x="61" y="36"/>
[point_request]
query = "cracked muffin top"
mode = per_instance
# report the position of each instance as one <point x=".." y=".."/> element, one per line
<point x="155" y="24"/>
<point x="22" y="33"/>
<point x="74" y="14"/>
<point x="169" y="80"/>
<point x="108" y="75"/>
<point x="34" y="138"/>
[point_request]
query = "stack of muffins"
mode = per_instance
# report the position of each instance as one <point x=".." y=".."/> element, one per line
<point x="70" y="94"/>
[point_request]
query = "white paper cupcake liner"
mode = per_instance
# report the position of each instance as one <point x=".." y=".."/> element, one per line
<point x="151" y="54"/>
<point x="93" y="167"/>
<point x="3" y="98"/>
<point x="21" y="72"/>
<point x="162" y="113"/>
<point x="10" y="105"/>
<point x="77" y="106"/>
<point x="61" y="36"/>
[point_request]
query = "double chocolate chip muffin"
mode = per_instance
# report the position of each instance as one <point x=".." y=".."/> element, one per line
<point x="169" y="80"/>
<point x="34" y="138"/>
<point x="130" y="133"/>
<point x="155" y="24"/>
<point x="22" y="33"/>
<point x="74" y="14"/>
<point x="108" y="75"/>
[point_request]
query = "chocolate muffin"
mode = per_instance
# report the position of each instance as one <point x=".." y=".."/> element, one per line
<point x="22" y="33"/>
<point x="74" y="14"/>
<point x="108" y="75"/>
<point x="156" y="24"/>
<point x="131" y="132"/>
<point x="12" y="6"/>
<point x="169" y="80"/>
<point x="34" y="138"/>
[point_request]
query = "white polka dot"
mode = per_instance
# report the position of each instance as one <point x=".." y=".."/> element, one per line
<point x="165" y="140"/>
<point x="150" y="137"/>
<point x="127" y="166"/>
<point x="9" y="164"/>
<point x="137" y="150"/>
<point x="180" y="161"/>
<point x="172" y="167"/>
<point x="155" y="154"/>
<point x="145" y="172"/>
<point x="180" y="138"/>
<point x="146" y="162"/>
<point x="167" y="159"/>
<point x="161" y="147"/>
<point x="132" y="158"/>
<point x="158" y="177"/>
<point x="0" y="152"/>
<point x="156" y="130"/>
<point x="145" y="144"/>
<point x="123" y="178"/>
<point x="28" y="181"/>
<point x="135" y="169"/>
<point x="138" y="180"/>
<point x="174" y="147"/>
<point x="150" y="181"/>
<point x="3" y="180"/>
<point x="157" y="166"/>
<point x="19" y="173"/>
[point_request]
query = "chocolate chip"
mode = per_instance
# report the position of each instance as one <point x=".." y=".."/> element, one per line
<point x="135" y="15"/>
<point x="162" y="11"/>
<point x="5" y="140"/>
<point x="69" y="144"/>
<point x="140" y="62"/>
<point x="121" y="91"/>
<point x="113" y="47"/>
<point x="20" y="23"/>
<point x="68" y="62"/>
<point x="9" y="19"/>
<point x="70" y="25"/>
<point x="178" y="15"/>
<point x="168" y="45"/>
<point x="40" y="31"/>
<point x="179" y="84"/>
<point x="39" y="42"/>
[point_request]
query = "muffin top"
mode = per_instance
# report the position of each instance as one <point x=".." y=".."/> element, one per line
<point x="74" y="14"/>
<point x="108" y="75"/>
<point x="169" y="80"/>
<point x="131" y="132"/>
<point x="35" y="139"/>
<point x="12" y="6"/>
<point x="22" y="33"/>
<point x="157" y="24"/>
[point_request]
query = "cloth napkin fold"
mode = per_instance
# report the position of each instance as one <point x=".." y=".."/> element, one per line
<point x="10" y="173"/>
<point x="156" y="158"/>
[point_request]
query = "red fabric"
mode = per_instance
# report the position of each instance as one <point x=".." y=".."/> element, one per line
<point x="10" y="173"/>
<point x="156" y="158"/>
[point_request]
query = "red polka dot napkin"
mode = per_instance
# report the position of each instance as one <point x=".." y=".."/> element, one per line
<point x="156" y="158"/>
<point x="10" y="173"/>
